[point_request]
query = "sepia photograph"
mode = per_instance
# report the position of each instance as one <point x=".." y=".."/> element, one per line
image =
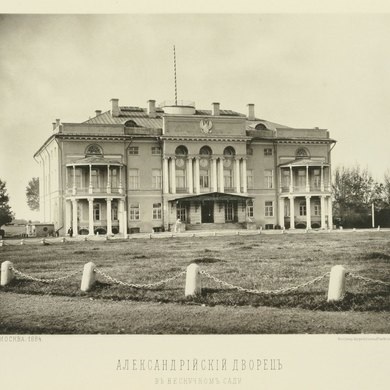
<point x="195" y="200"/>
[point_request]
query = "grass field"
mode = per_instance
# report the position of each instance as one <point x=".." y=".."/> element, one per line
<point x="263" y="262"/>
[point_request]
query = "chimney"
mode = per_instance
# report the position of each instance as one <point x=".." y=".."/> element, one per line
<point x="54" y="125"/>
<point x="115" y="107"/>
<point x="98" y="112"/>
<point x="251" y="112"/>
<point x="215" y="109"/>
<point x="152" y="108"/>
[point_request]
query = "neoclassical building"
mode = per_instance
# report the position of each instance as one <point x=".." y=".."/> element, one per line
<point x="133" y="169"/>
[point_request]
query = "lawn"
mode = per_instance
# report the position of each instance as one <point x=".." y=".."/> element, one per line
<point x="261" y="262"/>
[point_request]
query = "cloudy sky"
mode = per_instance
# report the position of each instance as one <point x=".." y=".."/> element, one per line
<point x="301" y="70"/>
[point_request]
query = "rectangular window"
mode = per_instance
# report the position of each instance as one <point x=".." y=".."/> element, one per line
<point x="316" y="178"/>
<point x="180" y="179"/>
<point x="78" y="179"/>
<point x="156" y="179"/>
<point x="156" y="210"/>
<point x="268" y="152"/>
<point x="250" y="209"/>
<point x="133" y="179"/>
<point x="269" y="209"/>
<point x="96" y="178"/>
<point x="285" y="178"/>
<point x="228" y="178"/>
<point x="96" y="211"/>
<point x="156" y="151"/>
<point x="268" y="178"/>
<point x="114" y="178"/>
<point x="229" y="212"/>
<point x="317" y="209"/>
<point x="286" y="208"/>
<point x="134" y="212"/>
<point x="302" y="209"/>
<point x="181" y="213"/>
<point x="249" y="179"/>
<point x="134" y="150"/>
<point x="301" y="178"/>
<point x="204" y="178"/>
<point x="114" y="211"/>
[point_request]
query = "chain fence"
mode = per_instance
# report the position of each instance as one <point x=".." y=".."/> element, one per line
<point x="135" y="285"/>
<point x="264" y="292"/>
<point x="29" y="277"/>
<point x="367" y="280"/>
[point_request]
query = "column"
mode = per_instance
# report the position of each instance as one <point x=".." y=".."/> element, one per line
<point x="221" y="178"/>
<point x="280" y="180"/>
<point x="291" y="180"/>
<point x="307" y="179"/>
<point x="237" y="175"/>
<point x="68" y="215"/>
<point x="214" y="178"/>
<point x="74" y="217"/>
<point x="165" y="176"/>
<point x="244" y="180"/>
<point x="308" y="213"/>
<point x="330" y="213"/>
<point x="281" y="212"/>
<point x="74" y="180"/>
<point x="196" y="178"/>
<point x="323" y="223"/>
<point x="173" y="175"/>
<point x="109" y="222"/>
<point x="322" y="179"/>
<point x="120" y="180"/>
<point x="90" y="179"/>
<point x="90" y="217"/>
<point x="120" y="215"/>
<point x="190" y="177"/>
<point x="108" y="180"/>
<point x="292" y="212"/>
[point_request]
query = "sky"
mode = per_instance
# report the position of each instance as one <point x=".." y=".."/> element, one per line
<point x="301" y="70"/>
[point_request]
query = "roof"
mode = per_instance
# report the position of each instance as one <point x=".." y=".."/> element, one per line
<point x="251" y="125"/>
<point x="303" y="162"/>
<point x="214" y="196"/>
<point x="94" y="160"/>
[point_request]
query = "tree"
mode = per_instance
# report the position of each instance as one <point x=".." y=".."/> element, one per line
<point x="32" y="194"/>
<point x="6" y="214"/>
<point x="354" y="190"/>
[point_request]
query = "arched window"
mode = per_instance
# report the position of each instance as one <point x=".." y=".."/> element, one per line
<point x="261" y="126"/>
<point x="130" y="124"/>
<point x="181" y="151"/>
<point x="301" y="153"/>
<point x="205" y="151"/>
<point x="229" y="151"/>
<point x="94" y="150"/>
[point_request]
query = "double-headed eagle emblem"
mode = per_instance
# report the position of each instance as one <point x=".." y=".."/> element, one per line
<point x="206" y="125"/>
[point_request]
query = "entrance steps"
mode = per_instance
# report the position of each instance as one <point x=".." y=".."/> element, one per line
<point x="216" y="226"/>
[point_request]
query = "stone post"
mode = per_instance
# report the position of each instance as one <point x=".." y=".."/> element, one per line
<point x="336" y="289"/>
<point x="89" y="277"/>
<point x="193" y="281"/>
<point x="6" y="273"/>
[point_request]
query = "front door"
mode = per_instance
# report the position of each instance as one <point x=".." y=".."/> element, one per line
<point x="208" y="211"/>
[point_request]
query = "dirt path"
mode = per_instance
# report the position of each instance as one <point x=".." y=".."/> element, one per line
<point x="65" y="315"/>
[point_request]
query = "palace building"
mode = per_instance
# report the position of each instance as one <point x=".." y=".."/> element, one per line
<point x="132" y="169"/>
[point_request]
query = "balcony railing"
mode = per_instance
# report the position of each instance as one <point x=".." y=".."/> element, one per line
<point x="312" y="188"/>
<point x="95" y="190"/>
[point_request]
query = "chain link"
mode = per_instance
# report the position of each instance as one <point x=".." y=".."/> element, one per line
<point x="134" y="285"/>
<point x="29" y="277"/>
<point x="264" y="292"/>
<point x="368" y="280"/>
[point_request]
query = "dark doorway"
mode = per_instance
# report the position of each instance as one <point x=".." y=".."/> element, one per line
<point x="208" y="211"/>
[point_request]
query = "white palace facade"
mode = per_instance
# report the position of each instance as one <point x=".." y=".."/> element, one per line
<point x="132" y="169"/>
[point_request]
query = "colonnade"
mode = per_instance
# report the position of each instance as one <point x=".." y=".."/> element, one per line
<point x="215" y="168"/>
<point x="325" y="202"/>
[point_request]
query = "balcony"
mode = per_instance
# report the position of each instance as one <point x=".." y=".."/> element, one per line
<point x="303" y="189"/>
<point x="87" y="191"/>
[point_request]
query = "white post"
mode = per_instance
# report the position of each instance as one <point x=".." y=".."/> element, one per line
<point x="214" y="178"/>
<point x="89" y="277"/>
<point x="165" y="176"/>
<point x="197" y="176"/>
<point x="6" y="273"/>
<point x="190" y="176"/>
<point x="336" y="289"/>
<point x="109" y="216"/>
<point x="90" y="217"/>
<point x="308" y="213"/>
<point x="173" y="175"/>
<point x="193" y="281"/>
<point x="243" y="177"/>
<point x="373" y="214"/>
<point x="237" y="174"/>
<point x="221" y="178"/>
